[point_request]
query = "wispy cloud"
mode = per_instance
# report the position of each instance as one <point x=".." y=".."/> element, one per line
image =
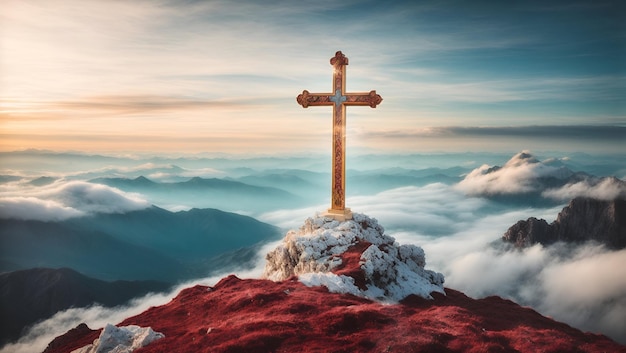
<point x="174" y="63"/>
<point x="581" y="132"/>
<point x="62" y="200"/>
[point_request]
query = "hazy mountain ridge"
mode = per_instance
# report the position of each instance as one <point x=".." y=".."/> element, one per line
<point x="207" y="193"/>
<point x="146" y="244"/>
<point x="29" y="244"/>
<point x="31" y="295"/>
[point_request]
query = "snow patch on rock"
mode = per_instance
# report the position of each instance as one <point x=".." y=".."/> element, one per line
<point x="314" y="252"/>
<point x="124" y="339"/>
<point x="334" y="283"/>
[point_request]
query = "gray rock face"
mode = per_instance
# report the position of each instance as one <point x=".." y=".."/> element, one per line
<point x="582" y="220"/>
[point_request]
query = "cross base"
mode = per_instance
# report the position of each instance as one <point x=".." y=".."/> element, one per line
<point x="338" y="215"/>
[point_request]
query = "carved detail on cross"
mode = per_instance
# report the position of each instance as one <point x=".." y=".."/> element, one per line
<point x="339" y="99"/>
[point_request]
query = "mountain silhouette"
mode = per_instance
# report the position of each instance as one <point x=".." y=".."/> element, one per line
<point x="31" y="295"/>
<point x="207" y="193"/>
<point x="582" y="220"/>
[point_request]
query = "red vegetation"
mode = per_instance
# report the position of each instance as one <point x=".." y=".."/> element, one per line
<point x="263" y="316"/>
<point x="77" y="337"/>
<point x="350" y="264"/>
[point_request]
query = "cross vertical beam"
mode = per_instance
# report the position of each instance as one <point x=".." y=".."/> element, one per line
<point x="339" y="99"/>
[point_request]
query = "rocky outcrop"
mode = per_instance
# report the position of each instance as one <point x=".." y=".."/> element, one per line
<point x="355" y="256"/>
<point x="123" y="339"/>
<point x="584" y="219"/>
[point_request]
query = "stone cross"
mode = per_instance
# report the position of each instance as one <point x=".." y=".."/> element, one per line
<point x="339" y="99"/>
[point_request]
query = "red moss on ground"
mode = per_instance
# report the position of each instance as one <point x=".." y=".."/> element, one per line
<point x="263" y="316"/>
<point x="350" y="264"/>
<point x="77" y="337"/>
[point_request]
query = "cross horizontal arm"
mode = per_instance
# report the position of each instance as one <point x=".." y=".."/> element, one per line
<point x="306" y="98"/>
<point x="372" y="99"/>
<point x="362" y="98"/>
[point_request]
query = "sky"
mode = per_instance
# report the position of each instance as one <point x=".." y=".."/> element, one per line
<point x="163" y="77"/>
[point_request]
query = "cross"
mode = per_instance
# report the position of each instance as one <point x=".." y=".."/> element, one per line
<point x="339" y="99"/>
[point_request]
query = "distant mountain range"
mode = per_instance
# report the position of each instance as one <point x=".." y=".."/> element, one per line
<point x="151" y="244"/>
<point x="31" y="295"/>
<point x="360" y="182"/>
<point x="213" y="192"/>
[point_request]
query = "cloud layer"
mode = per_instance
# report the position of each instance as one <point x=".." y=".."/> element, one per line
<point x="524" y="174"/>
<point x="606" y="189"/>
<point x="66" y="199"/>
<point x="518" y="175"/>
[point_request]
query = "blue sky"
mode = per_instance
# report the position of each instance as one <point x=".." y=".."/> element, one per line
<point x="222" y="76"/>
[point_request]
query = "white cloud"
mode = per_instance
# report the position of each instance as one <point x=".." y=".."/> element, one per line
<point x="607" y="189"/>
<point x="584" y="287"/>
<point x="518" y="175"/>
<point x="95" y="198"/>
<point x="588" y="291"/>
<point x="26" y="208"/>
<point x="430" y="210"/>
<point x="62" y="200"/>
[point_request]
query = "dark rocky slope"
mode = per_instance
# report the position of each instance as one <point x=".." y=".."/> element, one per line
<point x="582" y="220"/>
<point x="31" y="295"/>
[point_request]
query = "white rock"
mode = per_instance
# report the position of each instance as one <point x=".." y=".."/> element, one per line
<point x="392" y="271"/>
<point x="124" y="339"/>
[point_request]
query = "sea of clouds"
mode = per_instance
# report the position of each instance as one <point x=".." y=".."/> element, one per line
<point x="458" y="226"/>
<point x="584" y="286"/>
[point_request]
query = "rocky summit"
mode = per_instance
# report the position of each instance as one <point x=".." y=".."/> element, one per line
<point x="353" y="257"/>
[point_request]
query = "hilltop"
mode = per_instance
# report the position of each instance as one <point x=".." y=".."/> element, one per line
<point x="339" y="287"/>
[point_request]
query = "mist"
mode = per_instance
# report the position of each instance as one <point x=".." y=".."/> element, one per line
<point x="458" y="223"/>
<point x="65" y="199"/>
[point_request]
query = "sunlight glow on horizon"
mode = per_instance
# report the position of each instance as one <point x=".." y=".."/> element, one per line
<point x="218" y="76"/>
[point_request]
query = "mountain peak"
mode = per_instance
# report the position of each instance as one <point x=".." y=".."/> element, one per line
<point x="583" y="219"/>
<point x="143" y="180"/>
<point x="521" y="158"/>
